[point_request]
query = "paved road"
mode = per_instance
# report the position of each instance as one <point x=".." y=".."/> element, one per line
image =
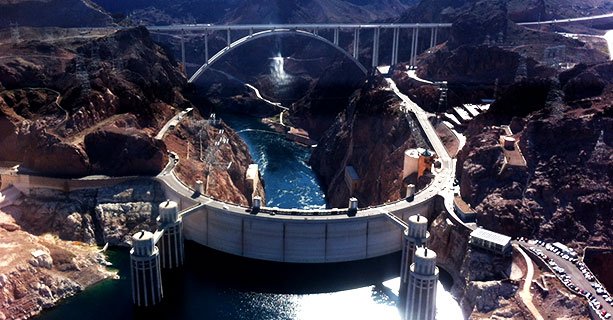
<point x="443" y="183"/>
<point x="172" y="122"/>
<point x="257" y="27"/>
<point x="576" y="275"/>
<point x="259" y="95"/>
<point x="596" y="17"/>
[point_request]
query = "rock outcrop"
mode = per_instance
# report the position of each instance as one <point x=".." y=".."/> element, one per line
<point x="223" y="162"/>
<point x="36" y="272"/>
<point x="92" y="216"/>
<point x="371" y="135"/>
<point x="564" y="194"/>
<point x="68" y="107"/>
<point x="125" y="151"/>
<point x="53" y="13"/>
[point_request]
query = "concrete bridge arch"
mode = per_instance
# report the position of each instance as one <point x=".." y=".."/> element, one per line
<point x="271" y="33"/>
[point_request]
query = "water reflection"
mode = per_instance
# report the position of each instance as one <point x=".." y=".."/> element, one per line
<point x="217" y="286"/>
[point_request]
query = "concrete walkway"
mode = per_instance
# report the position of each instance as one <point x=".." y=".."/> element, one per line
<point x="525" y="294"/>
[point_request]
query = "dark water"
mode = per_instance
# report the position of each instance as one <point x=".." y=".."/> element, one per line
<point x="282" y="163"/>
<point x="218" y="286"/>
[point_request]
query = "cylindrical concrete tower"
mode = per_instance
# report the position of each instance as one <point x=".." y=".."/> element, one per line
<point x="421" y="294"/>
<point x="171" y="243"/>
<point x="145" y="270"/>
<point x="416" y="235"/>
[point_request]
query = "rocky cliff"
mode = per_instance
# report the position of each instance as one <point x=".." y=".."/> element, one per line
<point x="92" y="216"/>
<point x="248" y="11"/>
<point x="371" y="135"/>
<point x="564" y="193"/>
<point x="51" y="237"/>
<point x="223" y="163"/>
<point x="486" y="52"/>
<point x="53" y="13"/>
<point x="74" y="102"/>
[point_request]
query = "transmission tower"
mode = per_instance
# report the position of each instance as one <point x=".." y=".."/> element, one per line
<point x="210" y="160"/>
<point x="82" y="74"/>
<point x="522" y="69"/>
<point x="15" y="32"/>
<point x="442" y="100"/>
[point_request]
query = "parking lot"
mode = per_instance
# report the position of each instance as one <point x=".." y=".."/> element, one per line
<point x="574" y="274"/>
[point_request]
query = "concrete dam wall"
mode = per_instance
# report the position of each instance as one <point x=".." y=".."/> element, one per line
<point x="313" y="239"/>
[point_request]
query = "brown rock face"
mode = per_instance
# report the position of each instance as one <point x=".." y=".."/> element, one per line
<point x="65" y="103"/>
<point x="53" y="13"/>
<point x="225" y="166"/>
<point x="120" y="151"/>
<point x="326" y="97"/>
<point x="371" y="135"/>
<point x="565" y="193"/>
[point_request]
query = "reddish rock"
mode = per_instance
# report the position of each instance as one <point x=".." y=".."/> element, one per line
<point x="55" y="13"/>
<point x="123" y="80"/>
<point x="565" y="193"/>
<point x="371" y="135"/>
<point x="124" y="151"/>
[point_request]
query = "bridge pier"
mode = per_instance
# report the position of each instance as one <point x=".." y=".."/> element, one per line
<point x="356" y="43"/>
<point x="206" y="48"/>
<point x="395" y="45"/>
<point x="414" y="46"/>
<point x="145" y="270"/>
<point x="336" y="34"/>
<point x="375" y="48"/>
<point x="228" y="37"/>
<point x="433" y="36"/>
<point x="183" y="52"/>
<point x="171" y="245"/>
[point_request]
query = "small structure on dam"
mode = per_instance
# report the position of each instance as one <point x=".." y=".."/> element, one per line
<point x="145" y="259"/>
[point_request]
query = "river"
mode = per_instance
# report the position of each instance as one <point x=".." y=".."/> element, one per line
<point x="289" y="181"/>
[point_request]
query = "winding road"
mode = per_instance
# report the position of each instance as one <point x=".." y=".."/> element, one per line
<point x="525" y="294"/>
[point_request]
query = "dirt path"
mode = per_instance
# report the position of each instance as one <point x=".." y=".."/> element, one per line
<point x="525" y="294"/>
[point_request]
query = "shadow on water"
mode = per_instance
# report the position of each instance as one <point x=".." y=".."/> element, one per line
<point x="216" y="285"/>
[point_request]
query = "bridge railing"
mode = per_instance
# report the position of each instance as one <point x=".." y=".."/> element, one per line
<point x="248" y="27"/>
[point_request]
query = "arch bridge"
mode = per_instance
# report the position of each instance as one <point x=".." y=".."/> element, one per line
<point x="312" y="31"/>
